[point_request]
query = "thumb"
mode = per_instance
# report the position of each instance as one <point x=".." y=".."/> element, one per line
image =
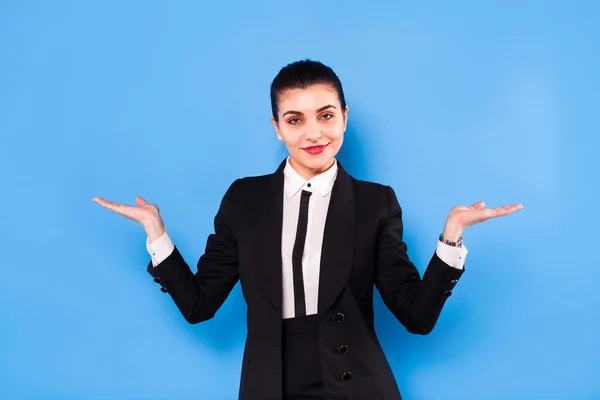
<point x="140" y="201"/>
<point x="479" y="205"/>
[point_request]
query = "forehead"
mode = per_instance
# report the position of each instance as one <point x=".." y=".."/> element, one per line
<point x="309" y="99"/>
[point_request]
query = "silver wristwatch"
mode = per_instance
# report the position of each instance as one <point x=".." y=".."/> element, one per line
<point x="449" y="243"/>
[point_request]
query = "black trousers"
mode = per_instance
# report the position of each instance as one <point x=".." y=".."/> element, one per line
<point x="302" y="378"/>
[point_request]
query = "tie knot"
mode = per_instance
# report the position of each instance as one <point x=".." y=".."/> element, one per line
<point x="306" y="193"/>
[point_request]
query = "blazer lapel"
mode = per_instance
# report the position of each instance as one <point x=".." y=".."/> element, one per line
<point x="338" y="240"/>
<point x="268" y="243"/>
<point x="337" y="252"/>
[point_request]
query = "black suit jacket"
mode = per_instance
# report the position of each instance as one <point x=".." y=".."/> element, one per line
<point x="362" y="247"/>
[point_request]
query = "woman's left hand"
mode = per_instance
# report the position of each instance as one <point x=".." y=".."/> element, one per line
<point x="461" y="217"/>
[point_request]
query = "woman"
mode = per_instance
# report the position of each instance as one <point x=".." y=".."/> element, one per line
<point x="308" y="243"/>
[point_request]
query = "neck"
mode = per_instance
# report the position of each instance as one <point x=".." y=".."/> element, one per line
<point x="309" y="173"/>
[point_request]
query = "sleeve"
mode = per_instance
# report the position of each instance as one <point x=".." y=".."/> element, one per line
<point x="199" y="295"/>
<point x="160" y="249"/>
<point x="416" y="302"/>
<point x="453" y="256"/>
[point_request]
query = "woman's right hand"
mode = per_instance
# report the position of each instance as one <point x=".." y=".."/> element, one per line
<point x="144" y="213"/>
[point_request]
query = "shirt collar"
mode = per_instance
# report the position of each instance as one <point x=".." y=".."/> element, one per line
<point x="323" y="183"/>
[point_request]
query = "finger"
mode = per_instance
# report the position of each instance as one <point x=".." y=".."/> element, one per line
<point x="100" y="201"/>
<point x="111" y="205"/>
<point x="505" y="210"/>
<point x="478" y="206"/>
<point x="511" y="207"/>
<point x="140" y="201"/>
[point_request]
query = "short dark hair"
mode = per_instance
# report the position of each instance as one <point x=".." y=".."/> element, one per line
<point x="300" y="75"/>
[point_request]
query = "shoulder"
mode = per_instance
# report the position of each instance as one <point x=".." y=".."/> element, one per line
<point x="250" y="184"/>
<point x="372" y="188"/>
<point x="242" y="197"/>
<point x="375" y="194"/>
<point x="248" y="187"/>
<point x="369" y="186"/>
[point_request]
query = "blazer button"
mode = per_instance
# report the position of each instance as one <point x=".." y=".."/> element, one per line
<point x="163" y="289"/>
<point x="343" y="349"/>
<point x="346" y="376"/>
<point x="454" y="281"/>
<point x="157" y="279"/>
<point x="448" y="293"/>
<point x="338" y="317"/>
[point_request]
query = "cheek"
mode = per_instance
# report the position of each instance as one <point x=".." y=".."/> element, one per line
<point x="291" y="136"/>
<point x="335" y="134"/>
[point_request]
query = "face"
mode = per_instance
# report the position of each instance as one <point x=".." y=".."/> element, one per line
<point x="311" y="124"/>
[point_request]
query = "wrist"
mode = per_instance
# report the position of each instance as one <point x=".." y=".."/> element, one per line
<point x="452" y="231"/>
<point x="154" y="229"/>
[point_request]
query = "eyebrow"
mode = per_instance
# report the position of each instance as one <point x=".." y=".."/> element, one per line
<point x="299" y="113"/>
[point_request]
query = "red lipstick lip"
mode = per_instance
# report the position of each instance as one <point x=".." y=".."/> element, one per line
<point x="315" y="149"/>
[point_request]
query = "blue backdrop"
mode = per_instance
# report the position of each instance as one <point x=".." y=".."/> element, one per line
<point x="450" y="103"/>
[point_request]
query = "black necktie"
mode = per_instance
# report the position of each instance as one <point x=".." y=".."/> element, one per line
<point x="299" y="302"/>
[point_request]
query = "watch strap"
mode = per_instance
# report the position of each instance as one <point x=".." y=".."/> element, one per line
<point x="458" y="243"/>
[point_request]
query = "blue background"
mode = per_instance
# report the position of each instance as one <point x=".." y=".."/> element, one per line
<point x="450" y="103"/>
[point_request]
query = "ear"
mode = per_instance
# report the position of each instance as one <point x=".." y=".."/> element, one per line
<point x="276" y="126"/>
<point x="345" y="118"/>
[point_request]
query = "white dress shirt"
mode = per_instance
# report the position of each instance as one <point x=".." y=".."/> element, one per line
<point x="321" y="186"/>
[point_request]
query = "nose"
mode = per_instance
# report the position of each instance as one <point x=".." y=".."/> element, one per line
<point x="313" y="133"/>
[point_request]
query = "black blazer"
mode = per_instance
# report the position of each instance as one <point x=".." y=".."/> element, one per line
<point x="362" y="246"/>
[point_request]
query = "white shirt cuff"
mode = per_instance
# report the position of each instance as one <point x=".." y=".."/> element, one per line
<point x="160" y="249"/>
<point x="453" y="256"/>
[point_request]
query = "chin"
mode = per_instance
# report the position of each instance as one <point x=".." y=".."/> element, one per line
<point x="319" y="162"/>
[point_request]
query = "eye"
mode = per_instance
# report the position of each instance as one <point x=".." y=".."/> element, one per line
<point x="293" y="121"/>
<point x="327" y="116"/>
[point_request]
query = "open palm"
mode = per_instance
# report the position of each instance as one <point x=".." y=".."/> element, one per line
<point x="141" y="212"/>
<point x="466" y="216"/>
